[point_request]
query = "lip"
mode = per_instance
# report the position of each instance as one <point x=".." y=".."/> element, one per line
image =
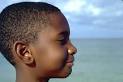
<point x="70" y="64"/>
<point x="70" y="61"/>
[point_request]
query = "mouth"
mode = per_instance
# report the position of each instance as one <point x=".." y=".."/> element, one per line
<point x="70" y="61"/>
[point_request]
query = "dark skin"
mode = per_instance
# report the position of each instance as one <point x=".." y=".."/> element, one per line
<point x="50" y="56"/>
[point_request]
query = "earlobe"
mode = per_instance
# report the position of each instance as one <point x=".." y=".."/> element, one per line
<point x="28" y="59"/>
<point x="23" y="53"/>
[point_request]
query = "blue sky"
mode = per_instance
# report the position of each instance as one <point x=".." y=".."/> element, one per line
<point x="88" y="18"/>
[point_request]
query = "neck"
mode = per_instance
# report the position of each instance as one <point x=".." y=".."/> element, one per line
<point x="27" y="76"/>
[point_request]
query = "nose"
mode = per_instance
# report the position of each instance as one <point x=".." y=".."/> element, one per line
<point x="72" y="49"/>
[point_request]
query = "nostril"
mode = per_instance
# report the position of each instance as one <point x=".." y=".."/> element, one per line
<point x="72" y="51"/>
<point x="75" y="51"/>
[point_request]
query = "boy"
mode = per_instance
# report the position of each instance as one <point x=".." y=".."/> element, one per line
<point x="34" y="38"/>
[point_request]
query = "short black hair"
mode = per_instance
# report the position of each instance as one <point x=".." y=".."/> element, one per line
<point x="21" y="22"/>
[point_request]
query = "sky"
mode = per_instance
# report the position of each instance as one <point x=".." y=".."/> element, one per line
<point x="88" y="18"/>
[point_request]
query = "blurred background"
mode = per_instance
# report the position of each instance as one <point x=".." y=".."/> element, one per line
<point x="97" y="32"/>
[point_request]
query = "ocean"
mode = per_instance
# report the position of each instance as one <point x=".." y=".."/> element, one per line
<point x="97" y="60"/>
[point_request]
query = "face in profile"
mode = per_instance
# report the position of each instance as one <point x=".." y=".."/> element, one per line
<point x="53" y="52"/>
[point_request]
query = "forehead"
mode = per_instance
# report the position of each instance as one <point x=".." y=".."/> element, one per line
<point x="58" y="22"/>
<point x="57" y="25"/>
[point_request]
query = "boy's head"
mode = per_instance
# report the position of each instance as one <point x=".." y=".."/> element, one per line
<point x="35" y="35"/>
<point x="21" y="22"/>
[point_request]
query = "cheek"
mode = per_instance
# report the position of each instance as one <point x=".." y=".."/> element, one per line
<point x="50" y="58"/>
<point x="56" y="57"/>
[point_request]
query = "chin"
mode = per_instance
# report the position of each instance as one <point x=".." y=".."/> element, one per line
<point x="62" y="76"/>
<point x="65" y="76"/>
<point x="64" y="73"/>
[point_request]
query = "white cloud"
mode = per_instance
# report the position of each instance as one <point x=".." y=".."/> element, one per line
<point x="93" y="10"/>
<point x="81" y="7"/>
<point x="99" y="22"/>
<point x="15" y="1"/>
<point x="74" y="6"/>
<point x="119" y="13"/>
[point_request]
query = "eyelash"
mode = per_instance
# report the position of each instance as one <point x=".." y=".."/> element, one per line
<point x="63" y="41"/>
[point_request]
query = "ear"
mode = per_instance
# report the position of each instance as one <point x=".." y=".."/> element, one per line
<point x="23" y="52"/>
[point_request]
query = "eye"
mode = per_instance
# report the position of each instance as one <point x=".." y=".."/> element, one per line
<point x="63" y="37"/>
<point x="62" y="40"/>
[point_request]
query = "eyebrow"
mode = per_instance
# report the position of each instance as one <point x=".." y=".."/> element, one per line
<point x="65" y="33"/>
